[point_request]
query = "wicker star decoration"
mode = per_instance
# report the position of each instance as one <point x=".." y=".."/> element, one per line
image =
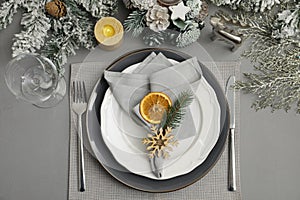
<point x="159" y="142"/>
<point x="179" y="11"/>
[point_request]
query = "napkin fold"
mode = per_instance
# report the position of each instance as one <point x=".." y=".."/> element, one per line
<point x="156" y="74"/>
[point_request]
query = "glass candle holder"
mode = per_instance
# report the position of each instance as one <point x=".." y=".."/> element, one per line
<point x="109" y="33"/>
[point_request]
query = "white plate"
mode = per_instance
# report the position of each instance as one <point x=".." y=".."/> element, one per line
<point x="129" y="151"/>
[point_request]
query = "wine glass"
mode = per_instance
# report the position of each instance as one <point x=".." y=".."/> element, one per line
<point x="35" y="79"/>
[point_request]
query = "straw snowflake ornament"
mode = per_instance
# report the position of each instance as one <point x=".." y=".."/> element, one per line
<point x="160" y="142"/>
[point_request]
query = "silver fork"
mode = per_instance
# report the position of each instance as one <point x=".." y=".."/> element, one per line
<point x="79" y="105"/>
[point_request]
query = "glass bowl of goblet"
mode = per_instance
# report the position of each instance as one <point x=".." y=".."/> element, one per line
<point x="35" y="79"/>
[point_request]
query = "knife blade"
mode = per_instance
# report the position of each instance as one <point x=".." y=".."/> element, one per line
<point x="230" y="94"/>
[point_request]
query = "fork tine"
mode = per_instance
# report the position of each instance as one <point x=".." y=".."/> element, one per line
<point x="81" y="92"/>
<point x="84" y="92"/>
<point x="73" y="91"/>
<point x="78" y="92"/>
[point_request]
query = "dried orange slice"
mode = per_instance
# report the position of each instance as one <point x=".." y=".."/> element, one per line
<point x="153" y="106"/>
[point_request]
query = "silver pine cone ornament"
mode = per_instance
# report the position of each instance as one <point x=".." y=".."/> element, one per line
<point x="157" y="18"/>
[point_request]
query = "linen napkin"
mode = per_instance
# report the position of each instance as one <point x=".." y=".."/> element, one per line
<point x="157" y="74"/>
<point x="101" y="185"/>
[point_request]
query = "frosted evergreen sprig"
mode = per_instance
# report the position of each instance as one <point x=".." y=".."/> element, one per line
<point x="99" y="8"/>
<point x="277" y="59"/>
<point x="135" y="22"/>
<point x="260" y="28"/>
<point x="187" y="37"/>
<point x="7" y="10"/>
<point x="57" y="39"/>
<point x="249" y="5"/>
<point x="35" y="30"/>
<point x="80" y="25"/>
<point x="278" y="84"/>
<point x="59" y="49"/>
<point x="154" y="39"/>
<point x="71" y="32"/>
<point x="288" y="22"/>
<point x="195" y="6"/>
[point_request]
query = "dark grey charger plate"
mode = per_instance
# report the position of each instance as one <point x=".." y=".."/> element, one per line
<point x="104" y="156"/>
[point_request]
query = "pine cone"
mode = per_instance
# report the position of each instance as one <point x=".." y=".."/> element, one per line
<point x="158" y="18"/>
<point x="56" y="8"/>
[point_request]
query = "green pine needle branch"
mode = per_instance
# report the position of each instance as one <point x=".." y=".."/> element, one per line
<point x="135" y="22"/>
<point x="276" y="82"/>
<point x="277" y="85"/>
<point x="175" y="114"/>
<point x="7" y="10"/>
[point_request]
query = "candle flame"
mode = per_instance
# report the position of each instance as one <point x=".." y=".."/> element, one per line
<point x="108" y="31"/>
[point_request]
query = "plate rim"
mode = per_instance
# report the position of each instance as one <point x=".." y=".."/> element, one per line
<point x="215" y="159"/>
<point x="199" y="159"/>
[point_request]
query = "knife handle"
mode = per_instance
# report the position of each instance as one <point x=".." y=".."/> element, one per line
<point x="232" y="170"/>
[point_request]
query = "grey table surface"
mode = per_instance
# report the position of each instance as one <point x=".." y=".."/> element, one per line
<point x="34" y="142"/>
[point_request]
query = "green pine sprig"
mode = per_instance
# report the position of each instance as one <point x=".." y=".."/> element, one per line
<point x="277" y="83"/>
<point x="175" y="114"/>
<point x="188" y="37"/>
<point x="54" y="38"/>
<point x="70" y="33"/>
<point x="7" y="11"/>
<point x="135" y="22"/>
<point x="275" y="56"/>
<point x="35" y="27"/>
<point x="99" y="8"/>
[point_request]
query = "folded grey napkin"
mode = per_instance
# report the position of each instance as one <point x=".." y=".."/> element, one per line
<point x="156" y="74"/>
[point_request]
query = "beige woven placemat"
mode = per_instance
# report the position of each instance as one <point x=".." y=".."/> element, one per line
<point x="100" y="185"/>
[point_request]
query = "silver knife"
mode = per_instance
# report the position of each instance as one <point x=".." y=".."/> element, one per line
<point x="230" y="94"/>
